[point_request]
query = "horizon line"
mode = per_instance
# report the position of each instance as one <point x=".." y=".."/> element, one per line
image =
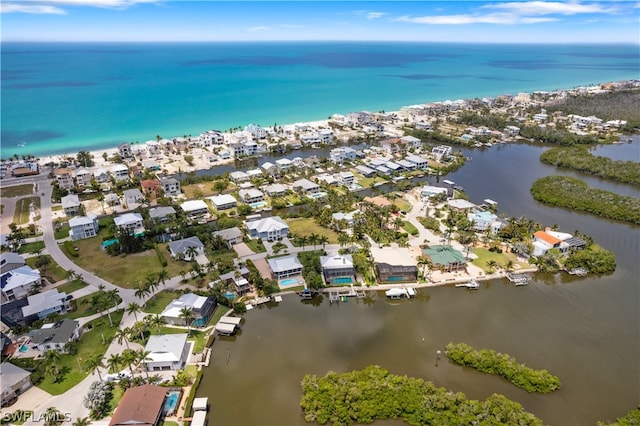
<point x="326" y="41"/>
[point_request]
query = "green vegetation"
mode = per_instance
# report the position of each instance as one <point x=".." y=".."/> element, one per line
<point x="16" y="191"/>
<point x="374" y="394"/>
<point x="632" y="418"/>
<point x="47" y="266"/>
<point x="219" y="313"/>
<point x="161" y="258"/>
<point x="307" y="226"/>
<point x="430" y="223"/>
<point x="489" y="260"/>
<point x="580" y="159"/>
<point x="36" y="246"/>
<point x="22" y="211"/>
<point x="192" y="393"/>
<point x="256" y="245"/>
<point x="72" y="286"/>
<point x="503" y="365"/>
<point x="61" y="233"/>
<point x="409" y="227"/>
<point x="17" y="418"/>
<point x="157" y="303"/>
<point x="70" y="249"/>
<point x="92" y="304"/>
<point x="572" y="193"/>
<point x="594" y="259"/>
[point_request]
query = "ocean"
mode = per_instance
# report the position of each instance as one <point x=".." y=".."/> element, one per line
<point x="65" y="97"/>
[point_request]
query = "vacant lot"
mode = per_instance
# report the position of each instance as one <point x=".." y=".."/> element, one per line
<point x="485" y="256"/>
<point x="23" y="208"/>
<point x="16" y="191"/>
<point x="307" y="226"/>
<point x="48" y="267"/>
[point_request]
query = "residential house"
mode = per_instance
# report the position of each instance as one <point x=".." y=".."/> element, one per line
<point x="151" y="165"/>
<point x="392" y="167"/>
<point x="241" y="285"/>
<point x="327" y="178"/>
<point x="170" y="186"/>
<point x="511" y="131"/>
<point x="201" y="308"/>
<point x="406" y="165"/>
<point x="10" y="261"/>
<point x="365" y="171"/>
<point x="394" y="146"/>
<point x="338" y="155"/>
<point x="162" y="214"/>
<point x="211" y="137"/>
<point x="167" y="352"/>
<point x="276" y="190"/>
<point x="256" y="131"/>
<point x="411" y="142"/>
<point x="81" y="227"/>
<point x="70" y="204"/>
<point x="269" y="168"/>
<point x="268" y="228"/>
<point x="251" y="196"/>
<point x="543" y="241"/>
<point x="195" y="209"/>
<point x="101" y="175"/>
<point x="445" y="258"/>
<point x="441" y="152"/>
<point x="428" y="191"/>
<point x="231" y="235"/>
<point x="286" y="266"/>
<point x="140" y="406"/>
<point x="83" y="178"/>
<point x="459" y="204"/>
<point x="120" y="172"/>
<point x="254" y="173"/>
<point x="111" y="199"/>
<point x="347" y="178"/>
<point x="347" y="218"/>
<point x="181" y="249"/>
<point x="419" y="162"/>
<point x="133" y="196"/>
<point x="485" y="220"/>
<point x="326" y="136"/>
<point x="223" y="201"/>
<point x="284" y="164"/>
<point x="54" y="336"/>
<point x="130" y="223"/>
<point x="124" y="150"/>
<point x="338" y="269"/>
<point x="394" y="264"/>
<point x="64" y="177"/>
<point x="19" y="282"/>
<point x="238" y="176"/>
<point x="310" y="139"/>
<point x="41" y="305"/>
<point x="305" y="186"/>
<point x="422" y="125"/>
<point x="15" y="381"/>
<point x="358" y="118"/>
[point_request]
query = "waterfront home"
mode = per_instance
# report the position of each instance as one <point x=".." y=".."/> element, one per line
<point x="40" y="305"/>
<point x="406" y="165"/>
<point x="383" y="170"/>
<point x="54" y="336"/>
<point x="393" y="167"/>
<point x="275" y="190"/>
<point x="305" y="186"/>
<point x="224" y="155"/>
<point x="170" y="186"/>
<point x="238" y="176"/>
<point x="211" y="137"/>
<point x="285" y="266"/>
<point x="140" y="406"/>
<point x="10" y="261"/>
<point x="460" y="205"/>
<point x="251" y="196"/>
<point x="338" y="269"/>
<point x="326" y="136"/>
<point x="101" y="175"/>
<point x="445" y="258"/>
<point x="181" y="249"/>
<point x="151" y="165"/>
<point x="357" y="118"/>
<point x="394" y="146"/>
<point x="338" y="155"/>
<point x="111" y="199"/>
<point x="15" y="381"/>
<point x="244" y="148"/>
<point x="64" y="177"/>
<point x="428" y="191"/>
<point x="231" y="235"/>
<point x="269" y="168"/>
<point x="70" y="204"/>
<point x="124" y="150"/>
<point x="223" y="201"/>
<point x="120" y="172"/>
<point x="256" y="131"/>
<point x="418" y="162"/>
<point x="19" y="282"/>
<point x="81" y="227"/>
<point x="254" y="173"/>
<point x="268" y="229"/>
<point x="543" y="241"/>
<point x="284" y="164"/>
<point x="511" y="131"/>
<point x="485" y="220"/>
<point x="365" y="171"/>
<point x="201" y="308"/>
<point x="241" y="285"/>
<point x="347" y="178"/>
<point x="83" y="178"/>
<point x="167" y="351"/>
<point x="394" y="264"/>
<point x="411" y="142"/>
<point x="195" y="209"/>
<point x="133" y="196"/>
<point x="327" y="178"/>
<point x="162" y="214"/>
<point x="153" y="147"/>
<point x="422" y="125"/>
<point x="441" y="152"/>
<point x="348" y="218"/>
<point x="130" y="223"/>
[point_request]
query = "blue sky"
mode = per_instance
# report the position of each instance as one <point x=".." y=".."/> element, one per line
<point x="515" y="21"/>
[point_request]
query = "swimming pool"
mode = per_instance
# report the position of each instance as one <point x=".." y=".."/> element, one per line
<point x="200" y="322"/>
<point x="341" y="280"/>
<point x="229" y="295"/>
<point x="289" y="282"/>
<point x="24" y="348"/>
<point x="258" y="205"/>
<point x="171" y="402"/>
<point x="318" y="195"/>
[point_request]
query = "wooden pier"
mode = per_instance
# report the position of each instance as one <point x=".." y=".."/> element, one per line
<point x="343" y="295"/>
<point x="518" y="279"/>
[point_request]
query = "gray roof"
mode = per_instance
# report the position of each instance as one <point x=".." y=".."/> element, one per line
<point x="134" y="192"/>
<point x="181" y="246"/>
<point x="166" y="347"/>
<point x="42" y="301"/>
<point x="59" y="332"/>
<point x="336" y="262"/>
<point x="11" y="258"/>
<point x="70" y="200"/>
<point x="285" y="263"/>
<point x="11" y="375"/>
<point x="160" y="212"/>
<point x="229" y="234"/>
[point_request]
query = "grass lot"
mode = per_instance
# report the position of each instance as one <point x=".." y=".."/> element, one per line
<point x="402" y="204"/>
<point x="485" y="255"/>
<point x="157" y="303"/>
<point x="31" y="247"/>
<point x="56" y="208"/>
<point x="197" y="336"/>
<point x="61" y="233"/>
<point x="367" y="182"/>
<point x="83" y="308"/>
<point x="124" y="271"/>
<point x="21" y="214"/>
<point x="307" y="226"/>
<point x="53" y="272"/>
<point x="220" y="311"/>
<point x="202" y="189"/>
<point x="90" y="344"/>
<point x="409" y="227"/>
<point x="16" y="191"/>
<point x="72" y="286"/>
<point x="169" y="423"/>
<point x="256" y="245"/>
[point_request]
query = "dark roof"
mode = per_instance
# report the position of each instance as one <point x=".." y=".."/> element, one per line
<point x="576" y="242"/>
<point x="60" y="332"/>
<point x="139" y="406"/>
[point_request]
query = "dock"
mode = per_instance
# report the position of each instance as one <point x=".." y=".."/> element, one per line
<point x="581" y="272"/>
<point x="518" y="279"/>
<point x="341" y="295"/>
<point x="400" y="293"/>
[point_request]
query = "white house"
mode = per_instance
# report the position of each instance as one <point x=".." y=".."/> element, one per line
<point x="15" y="381"/>
<point x="337" y="269"/>
<point x="195" y="209"/>
<point x="211" y="137"/>
<point x="256" y="131"/>
<point x="46" y="303"/>
<point x="268" y="228"/>
<point x="101" y="175"/>
<point x="53" y="336"/>
<point x="10" y="261"/>
<point x="231" y="235"/>
<point x="411" y="141"/>
<point x="162" y="213"/>
<point x="133" y="196"/>
<point x="484" y="220"/>
<point x="120" y="172"/>
<point x="170" y="186"/>
<point x="338" y="155"/>
<point x="182" y="248"/>
<point x="441" y="152"/>
<point x="326" y="135"/>
<point x="223" y="201"/>
<point x="167" y="352"/>
<point x="83" y="177"/>
<point x="358" y="118"/>
<point x="269" y="168"/>
<point x="64" y="177"/>
<point x="238" y="176"/>
<point x="81" y="227"/>
<point x="131" y="223"/>
<point x="18" y="283"/>
<point x="70" y="204"/>
<point x="419" y="162"/>
<point x="275" y="190"/>
<point x="428" y="191"/>
<point x="306" y="186"/>
<point x="346" y="178"/>
<point x="251" y="196"/>
<point x="283" y="163"/>
<point x="201" y="308"/>
<point x="286" y="266"/>
<point x="348" y="218"/>
<point x="124" y="150"/>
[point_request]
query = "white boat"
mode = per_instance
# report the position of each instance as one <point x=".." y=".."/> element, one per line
<point x="473" y="285"/>
<point x="399" y="293"/>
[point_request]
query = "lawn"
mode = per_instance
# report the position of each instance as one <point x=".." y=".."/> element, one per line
<point x="53" y="272"/>
<point x="198" y="190"/>
<point x="368" y="182"/>
<point x="91" y="343"/>
<point x="409" y="227"/>
<point x="61" y="233"/>
<point x="485" y="255"/>
<point x="16" y="191"/>
<point x="72" y="286"/>
<point x="256" y="245"/>
<point x="21" y="214"/>
<point x="31" y="247"/>
<point x="157" y="303"/>
<point x="307" y="226"/>
<point x="220" y="311"/>
<point x="125" y="270"/>
<point x="83" y="308"/>
<point x="197" y="336"/>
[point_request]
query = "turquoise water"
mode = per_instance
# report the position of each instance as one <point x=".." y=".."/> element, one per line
<point x="288" y="282"/>
<point x="24" y="348"/>
<point x="229" y="295"/>
<point x="63" y="97"/>
<point x="171" y="402"/>
<point x="199" y="322"/>
<point x="341" y="280"/>
<point x="258" y="205"/>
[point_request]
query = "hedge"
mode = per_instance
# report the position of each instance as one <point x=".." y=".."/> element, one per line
<point x="71" y="249"/>
<point x="161" y="257"/>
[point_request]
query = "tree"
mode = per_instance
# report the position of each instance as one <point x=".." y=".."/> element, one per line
<point x="492" y="265"/>
<point x="53" y="417"/>
<point x="190" y="253"/>
<point x="129" y="359"/>
<point x="314" y="239"/>
<point x="122" y="335"/>
<point x="323" y="240"/>
<point x="155" y="321"/>
<point x="114" y="362"/>
<point x="85" y="159"/>
<point x="94" y="363"/>
<point x="163" y="275"/>
<point x="142" y="357"/>
<point x="134" y="308"/>
<point x="141" y="292"/>
<point x="82" y="421"/>
<point x="187" y="314"/>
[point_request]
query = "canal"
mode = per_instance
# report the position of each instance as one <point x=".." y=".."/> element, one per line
<point x="584" y="330"/>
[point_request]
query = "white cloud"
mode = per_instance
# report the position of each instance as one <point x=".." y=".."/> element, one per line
<point x="258" y="29"/>
<point x="491" y="18"/>
<point x="548" y="8"/>
<point x="375" y="15"/>
<point x="56" y="6"/>
<point x="34" y="9"/>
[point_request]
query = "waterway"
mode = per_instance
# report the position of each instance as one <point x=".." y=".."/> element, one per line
<point x="584" y="330"/>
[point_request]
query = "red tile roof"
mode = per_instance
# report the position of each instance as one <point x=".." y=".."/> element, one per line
<point x="541" y="235"/>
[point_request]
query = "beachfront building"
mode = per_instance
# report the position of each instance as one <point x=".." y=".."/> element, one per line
<point x="83" y="178"/>
<point x="133" y="196"/>
<point x="124" y="150"/>
<point x="251" y="196"/>
<point x="130" y="223"/>
<point x="223" y="201"/>
<point x="201" y="309"/>
<point x="445" y="258"/>
<point x="285" y="266"/>
<point x="170" y="186"/>
<point x="19" y="282"/>
<point x="140" y="406"/>
<point x="167" y="352"/>
<point x="15" y="381"/>
<point x="41" y="305"/>
<point x="151" y="165"/>
<point x="186" y="248"/>
<point x="211" y="137"/>
<point x="81" y="227"/>
<point x="338" y="155"/>
<point x="276" y="190"/>
<point x="120" y="172"/>
<point x="195" y="209"/>
<point x="70" y="204"/>
<point x="64" y="178"/>
<point x="256" y="131"/>
<point x="326" y="136"/>
<point x="394" y="264"/>
<point x="338" y="269"/>
<point x="231" y="235"/>
<point x="268" y="229"/>
<point x="10" y="261"/>
<point x="441" y="152"/>
<point x="162" y="214"/>
<point x="305" y="186"/>
<point x="360" y="118"/>
<point x="53" y="336"/>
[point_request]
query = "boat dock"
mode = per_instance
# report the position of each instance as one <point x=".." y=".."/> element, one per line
<point x="472" y="285"/>
<point x="399" y="293"/>
<point x="518" y="279"/>
<point x="581" y="272"/>
<point x="343" y="295"/>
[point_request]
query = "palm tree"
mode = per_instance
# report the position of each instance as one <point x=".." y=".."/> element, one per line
<point x="142" y="357"/>
<point x="114" y="362"/>
<point x="314" y="239"/>
<point x="122" y="334"/>
<point x="53" y="372"/>
<point x="150" y="283"/>
<point x="323" y="240"/>
<point x="492" y="265"/>
<point x="163" y="275"/>
<point x="141" y="292"/>
<point x="190" y="253"/>
<point x="51" y="357"/>
<point x="155" y="321"/>
<point x="94" y="362"/>
<point x="187" y="314"/>
<point x="82" y="421"/>
<point x="303" y="241"/>
<point x="426" y="263"/>
<point x="509" y="266"/>
<point x="129" y="359"/>
<point x="134" y="308"/>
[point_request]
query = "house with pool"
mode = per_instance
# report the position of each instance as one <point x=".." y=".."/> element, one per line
<point x="140" y="406"/>
<point x="338" y="270"/>
<point x="285" y="266"/>
<point x="201" y="307"/>
<point x="394" y="264"/>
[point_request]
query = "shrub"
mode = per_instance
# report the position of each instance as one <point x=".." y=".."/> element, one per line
<point x="161" y="258"/>
<point x="71" y="249"/>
